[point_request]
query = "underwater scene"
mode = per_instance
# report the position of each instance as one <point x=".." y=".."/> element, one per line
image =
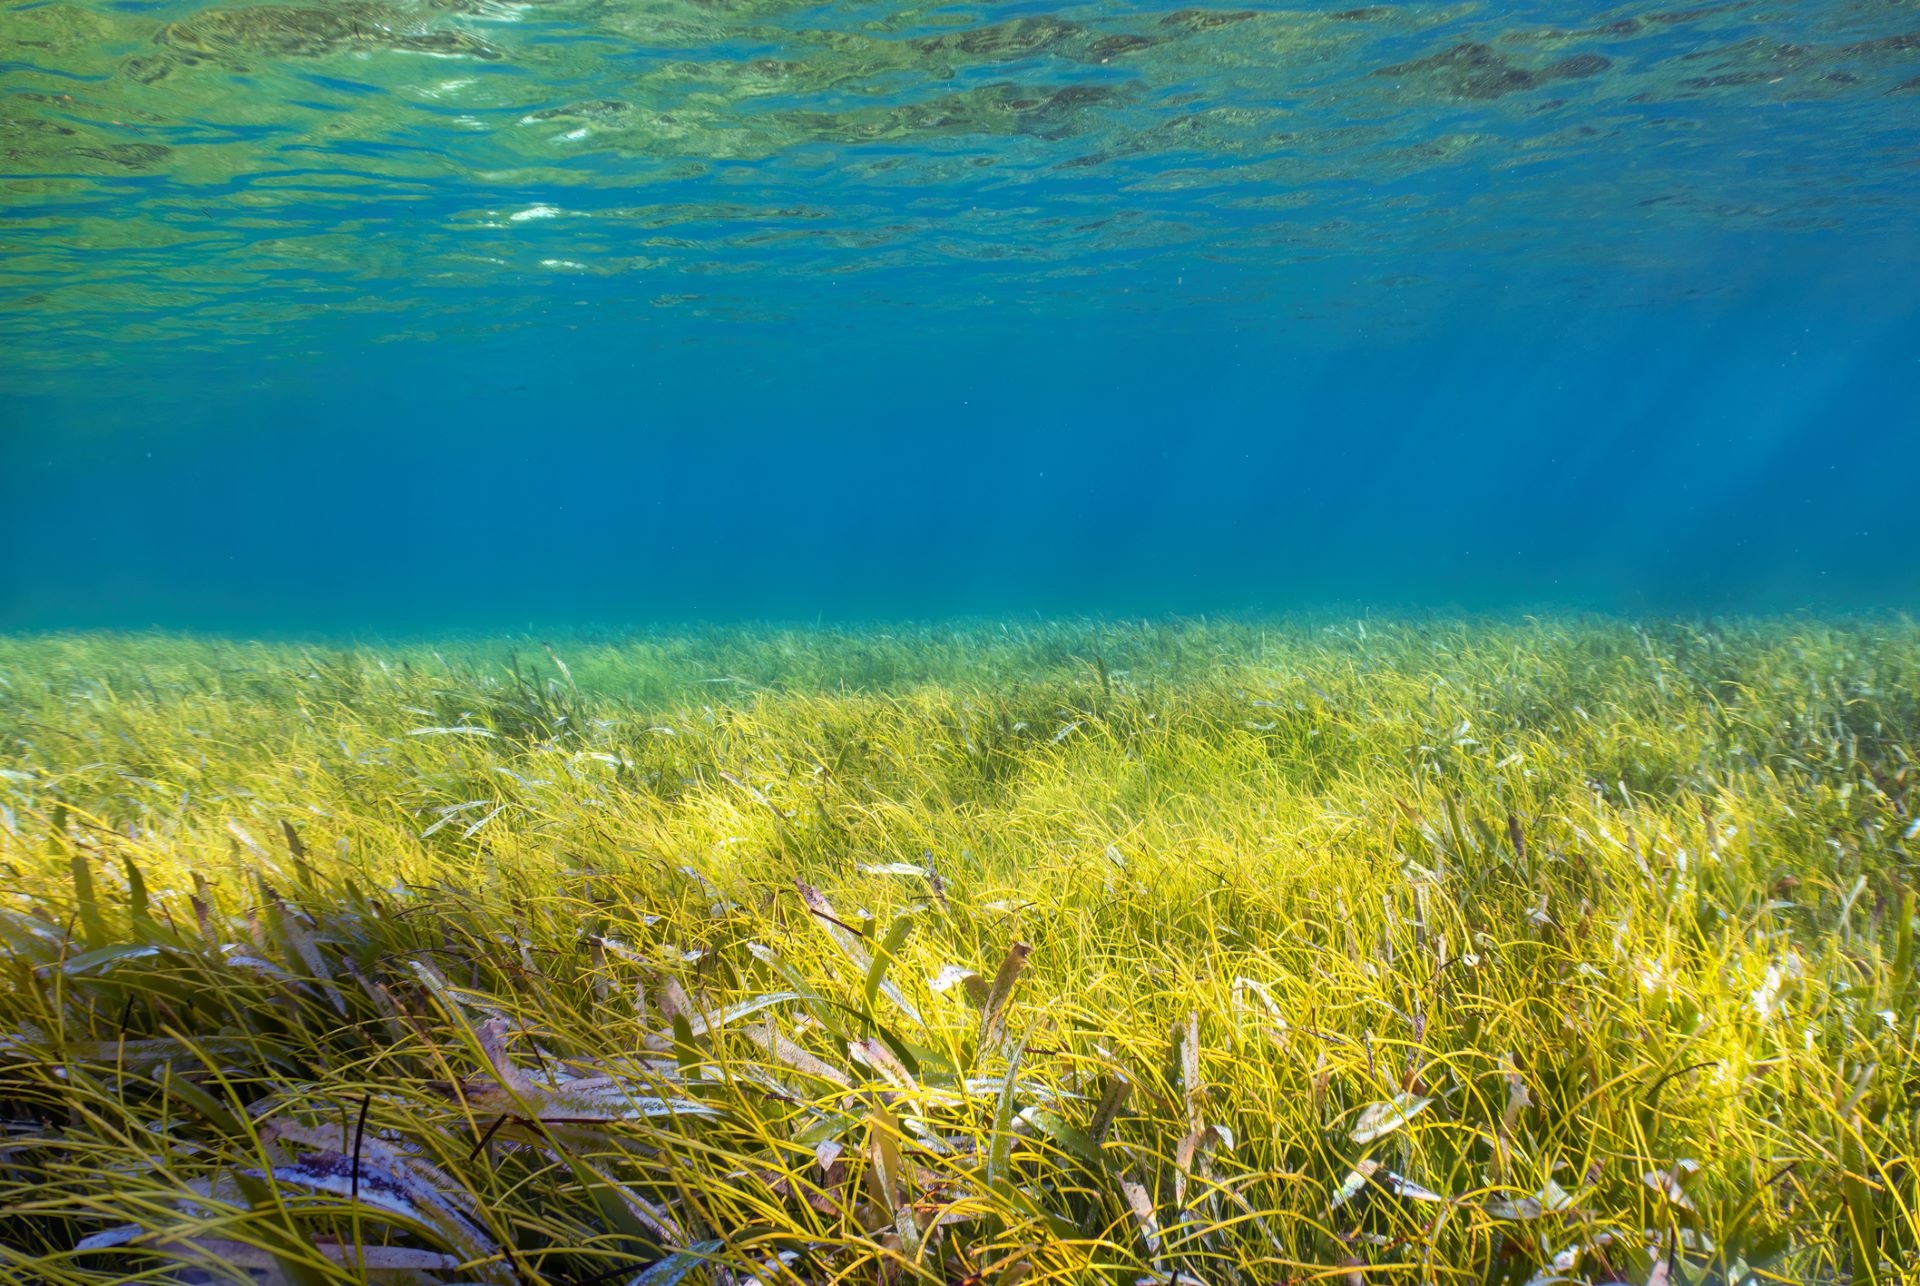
<point x="959" y="644"/>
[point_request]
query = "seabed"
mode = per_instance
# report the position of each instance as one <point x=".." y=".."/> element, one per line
<point x="1182" y="952"/>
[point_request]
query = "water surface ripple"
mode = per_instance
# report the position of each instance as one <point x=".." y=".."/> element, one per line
<point x="179" y="177"/>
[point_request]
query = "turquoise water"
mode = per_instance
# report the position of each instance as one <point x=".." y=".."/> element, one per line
<point x="365" y="316"/>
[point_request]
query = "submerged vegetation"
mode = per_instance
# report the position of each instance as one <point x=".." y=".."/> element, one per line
<point x="1194" y="953"/>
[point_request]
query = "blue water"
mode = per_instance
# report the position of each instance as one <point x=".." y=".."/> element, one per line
<point x="364" y="317"/>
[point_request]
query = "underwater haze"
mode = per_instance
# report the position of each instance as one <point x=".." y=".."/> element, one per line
<point x="462" y="313"/>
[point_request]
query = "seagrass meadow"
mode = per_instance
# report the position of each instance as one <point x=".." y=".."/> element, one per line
<point x="1209" y="951"/>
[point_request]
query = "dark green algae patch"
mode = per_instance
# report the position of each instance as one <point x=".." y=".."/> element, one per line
<point x="259" y="133"/>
